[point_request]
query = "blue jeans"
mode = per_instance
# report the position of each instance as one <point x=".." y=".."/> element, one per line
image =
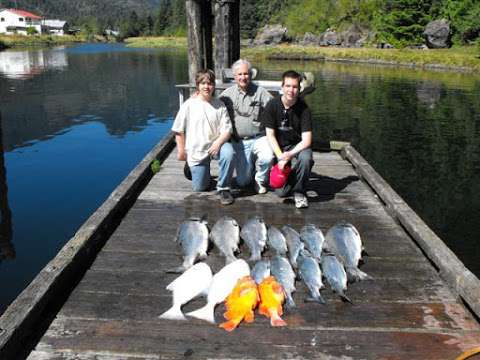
<point x="247" y="153"/>
<point x="201" y="173"/>
<point x="298" y="178"/>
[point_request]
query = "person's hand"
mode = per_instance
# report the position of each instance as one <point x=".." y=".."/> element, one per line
<point x="214" y="149"/>
<point x="286" y="156"/>
<point x="181" y="155"/>
<point x="282" y="164"/>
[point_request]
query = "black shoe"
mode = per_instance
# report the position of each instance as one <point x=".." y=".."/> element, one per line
<point x="226" y="197"/>
<point x="186" y="171"/>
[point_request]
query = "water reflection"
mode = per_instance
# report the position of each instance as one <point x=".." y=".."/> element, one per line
<point x="26" y="64"/>
<point x="7" y="251"/>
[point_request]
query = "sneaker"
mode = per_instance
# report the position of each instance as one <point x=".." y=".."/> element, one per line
<point x="260" y="189"/>
<point x="301" y="200"/>
<point x="226" y="197"/>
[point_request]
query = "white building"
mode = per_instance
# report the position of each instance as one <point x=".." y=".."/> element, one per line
<point x="14" y="21"/>
<point x="55" y="26"/>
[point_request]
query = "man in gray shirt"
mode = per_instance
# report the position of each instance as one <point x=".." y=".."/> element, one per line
<point x="245" y="101"/>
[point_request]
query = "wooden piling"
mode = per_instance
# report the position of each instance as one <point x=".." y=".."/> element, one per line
<point x="227" y="34"/>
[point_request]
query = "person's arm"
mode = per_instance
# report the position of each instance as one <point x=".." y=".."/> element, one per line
<point x="272" y="140"/>
<point x="180" y="140"/>
<point x="305" y="143"/>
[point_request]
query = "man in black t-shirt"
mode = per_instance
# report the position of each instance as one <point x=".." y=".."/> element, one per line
<point x="288" y="124"/>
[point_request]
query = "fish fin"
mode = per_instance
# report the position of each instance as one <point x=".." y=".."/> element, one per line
<point x="249" y="317"/>
<point x="318" y="299"/>
<point x="174" y="313"/>
<point x="276" y="320"/>
<point x="204" y="313"/>
<point x="229" y="325"/>
<point x="355" y="274"/>
<point x="263" y="310"/>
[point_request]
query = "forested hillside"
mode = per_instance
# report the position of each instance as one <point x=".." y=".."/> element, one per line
<point x="398" y="22"/>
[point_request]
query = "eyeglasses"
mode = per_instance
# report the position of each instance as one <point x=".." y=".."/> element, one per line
<point x="285" y="122"/>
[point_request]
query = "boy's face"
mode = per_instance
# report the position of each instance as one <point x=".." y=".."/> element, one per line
<point x="290" y="88"/>
<point x="205" y="89"/>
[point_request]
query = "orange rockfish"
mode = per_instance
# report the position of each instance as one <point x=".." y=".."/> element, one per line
<point x="240" y="303"/>
<point x="271" y="298"/>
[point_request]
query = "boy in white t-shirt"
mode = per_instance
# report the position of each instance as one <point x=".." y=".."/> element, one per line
<point x="202" y="129"/>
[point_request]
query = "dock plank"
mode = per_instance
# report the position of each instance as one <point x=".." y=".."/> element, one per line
<point x="407" y="309"/>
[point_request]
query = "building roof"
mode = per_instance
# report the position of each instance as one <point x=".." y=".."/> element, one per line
<point x="24" y="13"/>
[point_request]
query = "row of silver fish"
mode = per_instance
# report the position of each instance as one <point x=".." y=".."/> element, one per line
<point x="339" y="252"/>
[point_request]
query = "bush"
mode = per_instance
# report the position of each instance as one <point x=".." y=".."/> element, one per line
<point x="31" y="30"/>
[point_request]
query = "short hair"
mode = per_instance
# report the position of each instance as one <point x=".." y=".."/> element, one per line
<point x="204" y="74"/>
<point x="239" y="62"/>
<point x="291" y="74"/>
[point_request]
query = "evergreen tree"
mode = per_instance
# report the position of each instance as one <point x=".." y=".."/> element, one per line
<point x="404" y="21"/>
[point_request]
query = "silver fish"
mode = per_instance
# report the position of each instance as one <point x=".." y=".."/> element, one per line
<point x="335" y="274"/>
<point x="310" y="273"/>
<point x="282" y="271"/>
<point x="225" y="235"/>
<point x="254" y="233"/>
<point x="294" y="244"/>
<point x="344" y="241"/>
<point x="261" y="270"/>
<point x="277" y="241"/>
<point x="192" y="236"/>
<point x="313" y="239"/>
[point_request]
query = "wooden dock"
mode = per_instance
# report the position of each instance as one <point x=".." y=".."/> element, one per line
<point x="410" y="310"/>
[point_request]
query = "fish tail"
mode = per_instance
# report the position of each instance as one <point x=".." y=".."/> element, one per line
<point x="229" y="325"/>
<point x="174" y="313"/>
<point x="345" y="297"/>
<point x="276" y="320"/>
<point x="317" y="298"/>
<point x="229" y="259"/>
<point x="289" y="302"/>
<point x="176" y="270"/>
<point x="355" y="274"/>
<point x="204" y="313"/>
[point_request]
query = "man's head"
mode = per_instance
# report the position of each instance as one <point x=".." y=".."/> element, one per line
<point x="242" y="71"/>
<point x="291" y="85"/>
<point x="205" y="83"/>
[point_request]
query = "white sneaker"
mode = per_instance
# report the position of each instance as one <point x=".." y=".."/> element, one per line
<point x="260" y="189"/>
<point x="301" y="200"/>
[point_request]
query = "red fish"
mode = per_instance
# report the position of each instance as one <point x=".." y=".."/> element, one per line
<point x="272" y="297"/>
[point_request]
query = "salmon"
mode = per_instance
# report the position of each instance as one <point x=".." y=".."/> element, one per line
<point x="271" y="298"/>
<point x="241" y="303"/>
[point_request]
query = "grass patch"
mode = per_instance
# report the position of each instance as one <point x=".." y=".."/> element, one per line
<point x="467" y="58"/>
<point x="157" y="42"/>
<point x="37" y="40"/>
<point x="458" y="58"/>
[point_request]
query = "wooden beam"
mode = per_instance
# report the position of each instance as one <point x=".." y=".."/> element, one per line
<point x="451" y="269"/>
<point x="199" y="36"/>
<point x="56" y="280"/>
<point x="227" y="34"/>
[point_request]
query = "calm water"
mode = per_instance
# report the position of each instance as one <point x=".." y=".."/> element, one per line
<point x="75" y="121"/>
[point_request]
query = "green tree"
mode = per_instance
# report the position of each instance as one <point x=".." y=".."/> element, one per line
<point x="164" y="13"/>
<point x="404" y="21"/>
<point x="31" y="30"/>
<point x="464" y="17"/>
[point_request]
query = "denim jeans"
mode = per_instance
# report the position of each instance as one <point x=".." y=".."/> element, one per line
<point x="249" y="152"/>
<point x="201" y="173"/>
<point x="298" y="178"/>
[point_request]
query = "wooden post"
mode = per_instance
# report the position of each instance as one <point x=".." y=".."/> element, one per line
<point x="227" y="34"/>
<point x="199" y="36"/>
<point x="6" y="247"/>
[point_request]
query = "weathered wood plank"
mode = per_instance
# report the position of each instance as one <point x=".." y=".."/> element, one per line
<point x="167" y="340"/>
